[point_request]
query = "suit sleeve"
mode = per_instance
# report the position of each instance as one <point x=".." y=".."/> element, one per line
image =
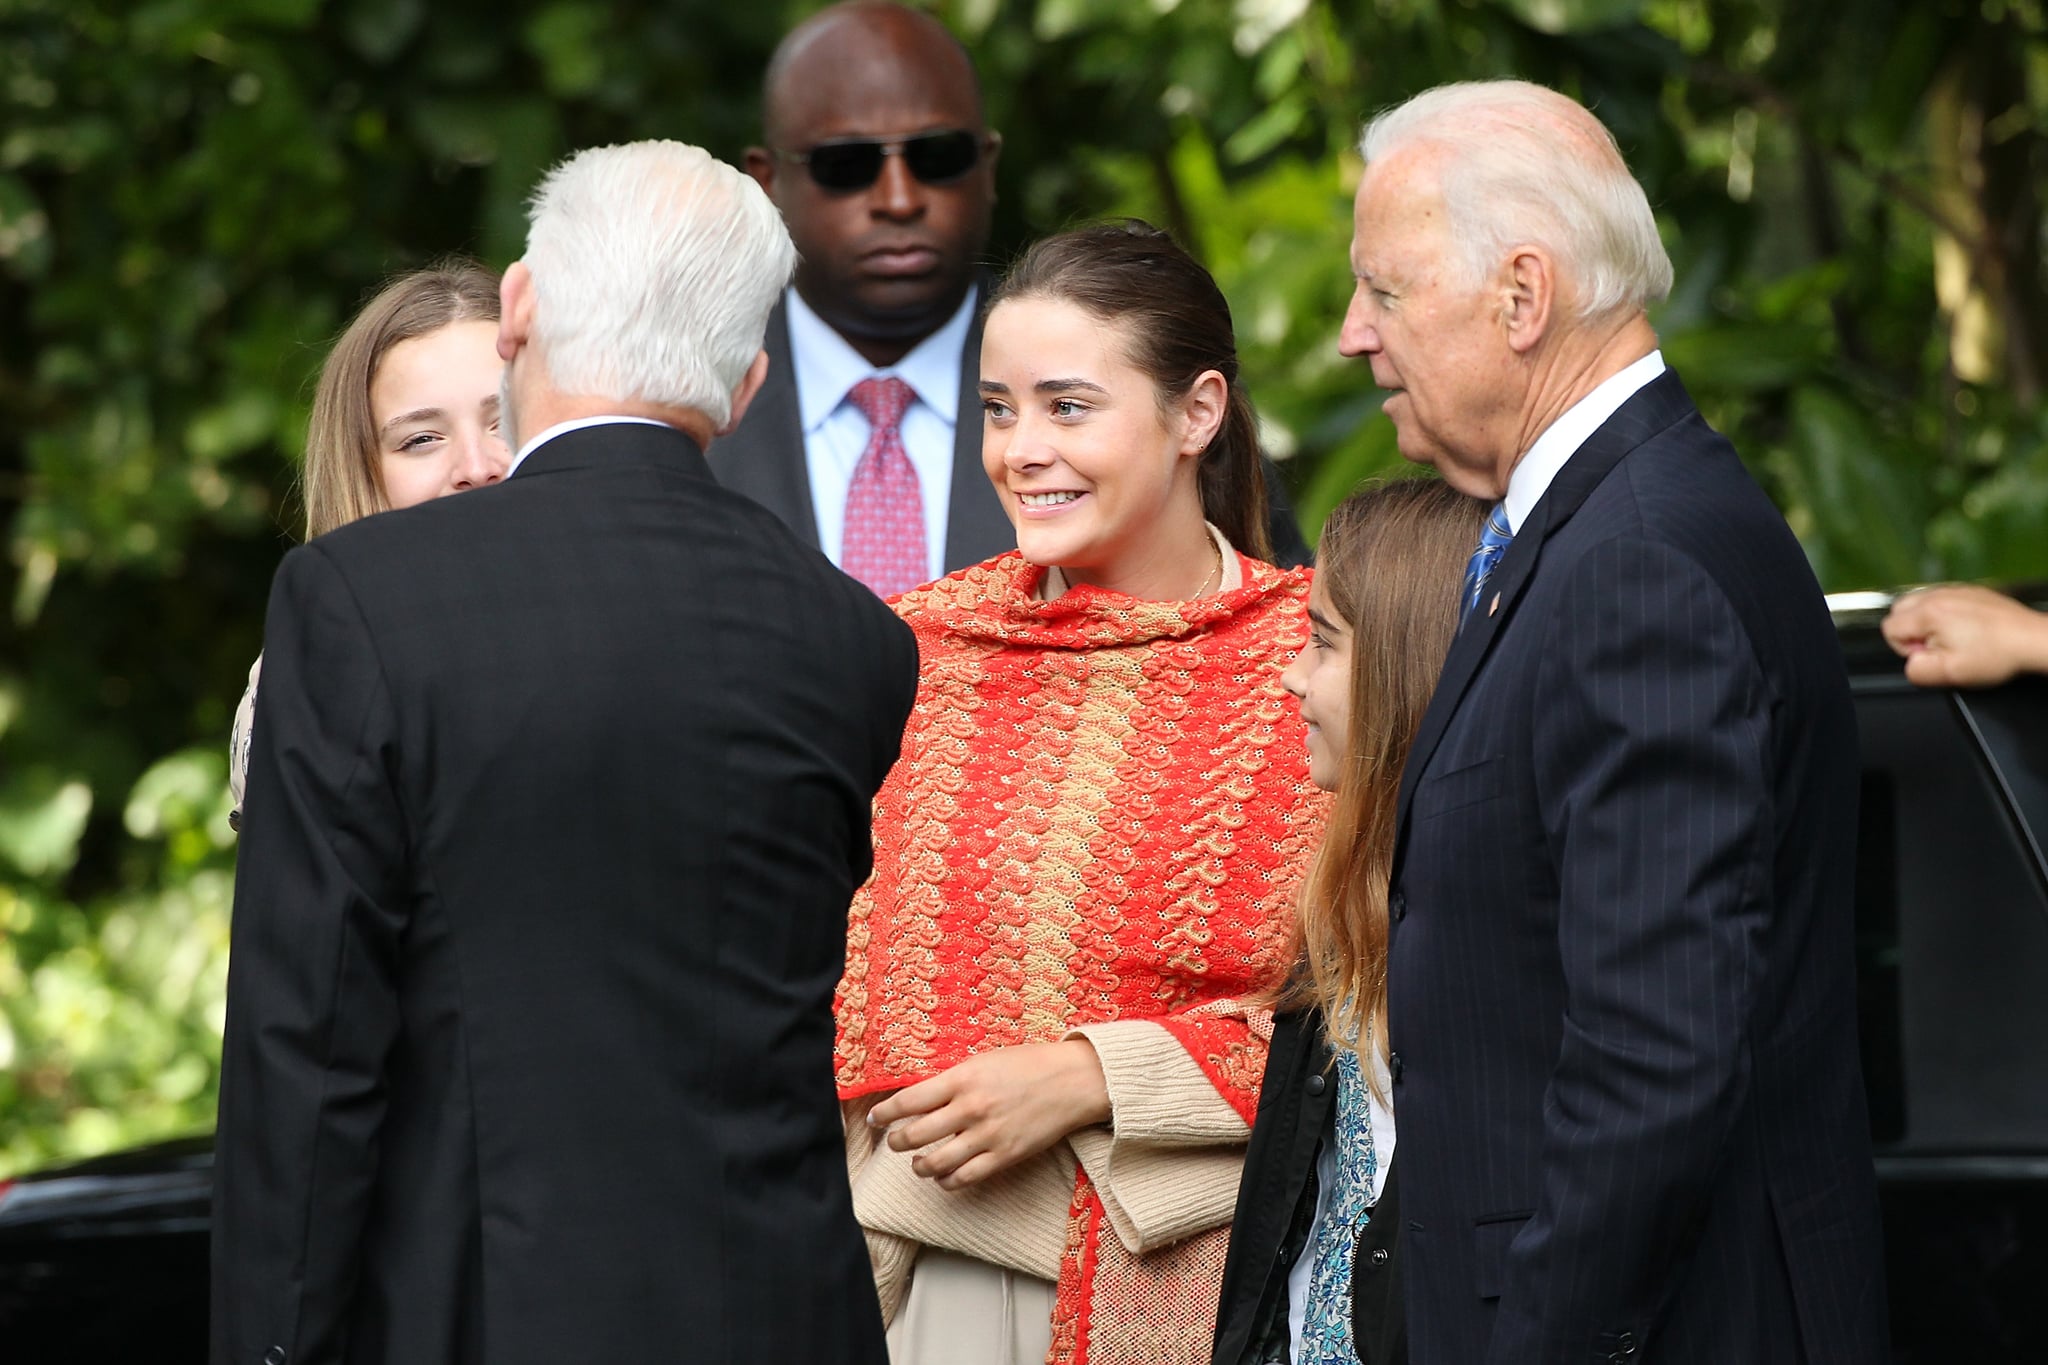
<point x="312" y="981"/>
<point x="1652" y="736"/>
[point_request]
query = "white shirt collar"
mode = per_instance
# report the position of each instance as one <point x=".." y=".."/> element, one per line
<point x="827" y="366"/>
<point x="1561" y="439"/>
<point x="577" y="424"/>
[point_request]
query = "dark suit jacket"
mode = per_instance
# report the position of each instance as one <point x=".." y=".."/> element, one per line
<point x="559" y="793"/>
<point x="763" y="458"/>
<point x="1275" y="1198"/>
<point x="1622" y="976"/>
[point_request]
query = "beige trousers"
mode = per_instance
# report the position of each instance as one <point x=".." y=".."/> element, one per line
<point x="961" y="1311"/>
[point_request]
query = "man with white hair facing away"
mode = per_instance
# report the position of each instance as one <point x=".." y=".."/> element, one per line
<point x="559" y="797"/>
<point x="1621" y="977"/>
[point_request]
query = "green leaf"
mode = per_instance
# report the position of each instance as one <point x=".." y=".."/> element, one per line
<point x="457" y="129"/>
<point x="241" y="423"/>
<point x="1280" y="66"/>
<point x="42" y="817"/>
<point x="565" y="38"/>
<point x="1999" y="531"/>
<point x="1920" y="46"/>
<point x="25" y="243"/>
<point x="1746" y="356"/>
<point x="1369" y="453"/>
<point x="1272" y="126"/>
<point x="176" y="793"/>
<point x="1864" y="496"/>
<point x="377" y="29"/>
<point x="279" y="13"/>
<point x="529" y="140"/>
<point x="1057" y="19"/>
<point x="1794" y="298"/>
<point x="1574" y="16"/>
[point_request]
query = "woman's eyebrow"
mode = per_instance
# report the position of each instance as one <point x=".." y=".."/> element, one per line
<point x="416" y="415"/>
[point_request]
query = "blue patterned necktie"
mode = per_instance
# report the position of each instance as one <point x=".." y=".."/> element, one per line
<point x="1326" y="1327"/>
<point x="1493" y="543"/>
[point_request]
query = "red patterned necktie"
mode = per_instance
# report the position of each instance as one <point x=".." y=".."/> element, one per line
<point x="884" y="536"/>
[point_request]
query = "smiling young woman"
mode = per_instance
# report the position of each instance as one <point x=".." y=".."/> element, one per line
<point x="1087" y="855"/>
<point x="406" y="410"/>
<point x="1098" y="468"/>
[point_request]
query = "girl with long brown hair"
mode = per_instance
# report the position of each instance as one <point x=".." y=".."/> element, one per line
<point x="1312" y="1277"/>
<point x="406" y="410"/>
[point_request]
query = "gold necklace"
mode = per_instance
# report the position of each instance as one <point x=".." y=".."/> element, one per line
<point x="1215" y="574"/>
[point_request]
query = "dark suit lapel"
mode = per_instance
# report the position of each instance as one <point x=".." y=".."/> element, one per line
<point x="1648" y="411"/>
<point x="977" y="525"/>
<point x="764" y="457"/>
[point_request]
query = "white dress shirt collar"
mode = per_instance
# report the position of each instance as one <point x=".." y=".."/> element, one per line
<point x="1561" y="439"/>
<point x="827" y="366"/>
<point x="577" y="424"/>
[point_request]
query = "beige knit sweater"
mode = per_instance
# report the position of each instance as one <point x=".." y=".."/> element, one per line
<point x="1167" y="1167"/>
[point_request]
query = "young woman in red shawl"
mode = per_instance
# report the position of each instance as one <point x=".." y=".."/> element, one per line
<point x="1086" y="858"/>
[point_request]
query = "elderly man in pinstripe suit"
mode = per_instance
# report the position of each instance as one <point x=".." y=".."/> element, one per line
<point x="1622" y="990"/>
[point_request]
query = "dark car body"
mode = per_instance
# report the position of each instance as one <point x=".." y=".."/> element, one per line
<point x="106" y="1261"/>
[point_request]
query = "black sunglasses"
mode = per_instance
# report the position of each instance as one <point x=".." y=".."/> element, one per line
<point x="934" y="158"/>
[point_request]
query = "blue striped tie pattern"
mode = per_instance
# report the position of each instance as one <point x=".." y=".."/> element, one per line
<point x="1493" y="543"/>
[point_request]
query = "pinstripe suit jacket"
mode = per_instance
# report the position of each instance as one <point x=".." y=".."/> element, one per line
<point x="1622" y="984"/>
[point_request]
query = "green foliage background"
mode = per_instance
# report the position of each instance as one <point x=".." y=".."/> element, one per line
<point x="194" y="194"/>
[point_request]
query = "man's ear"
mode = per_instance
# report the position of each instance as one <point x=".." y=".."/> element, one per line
<point x="515" y="311"/>
<point x="757" y="373"/>
<point x="1528" y="297"/>
<point x="759" y="162"/>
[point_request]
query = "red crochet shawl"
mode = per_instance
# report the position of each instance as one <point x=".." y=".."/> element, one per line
<point x="1102" y="811"/>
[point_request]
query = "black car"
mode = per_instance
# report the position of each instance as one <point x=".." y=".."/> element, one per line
<point x="106" y="1261"/>
<point x="1952" y="941"/>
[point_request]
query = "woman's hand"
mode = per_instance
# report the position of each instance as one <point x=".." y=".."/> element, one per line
<point x="995" y="1110"/>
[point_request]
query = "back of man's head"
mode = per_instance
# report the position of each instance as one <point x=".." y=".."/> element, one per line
<point x="654" y="268"/>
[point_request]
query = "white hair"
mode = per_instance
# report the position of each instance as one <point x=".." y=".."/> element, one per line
<point x="654" y="268"/>
<point x="1522" y="164"/>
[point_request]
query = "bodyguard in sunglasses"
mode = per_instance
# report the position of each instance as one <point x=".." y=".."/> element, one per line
<point x="866" y="438"/>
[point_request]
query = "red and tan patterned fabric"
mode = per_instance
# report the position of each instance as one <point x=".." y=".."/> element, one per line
<point x="1102" y="812"/>
<point x="1115" y="1308"/>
